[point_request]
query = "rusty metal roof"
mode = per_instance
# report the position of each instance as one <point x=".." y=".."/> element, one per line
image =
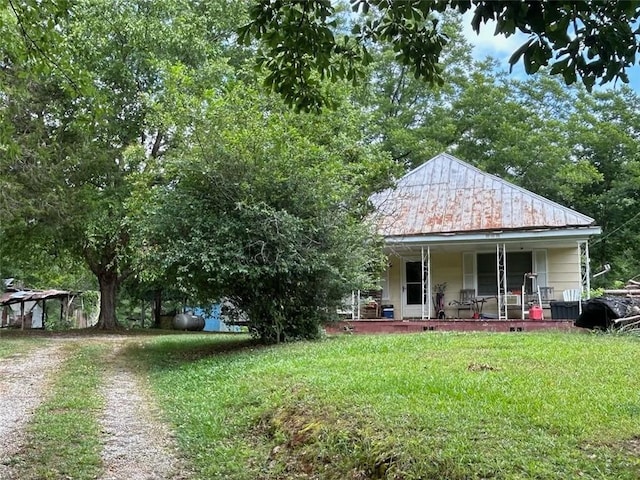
<point x="9" y="298"/>
<point x="447" y="195"/>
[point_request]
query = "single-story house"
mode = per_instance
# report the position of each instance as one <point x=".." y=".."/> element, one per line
<point x="462" y="243"/>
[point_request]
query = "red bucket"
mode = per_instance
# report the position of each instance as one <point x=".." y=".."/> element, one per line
<point x="535" y="312"/>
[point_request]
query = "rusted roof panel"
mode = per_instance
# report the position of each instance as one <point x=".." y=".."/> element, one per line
<point x="7" y="298"/>
<point x="447" y="195"/>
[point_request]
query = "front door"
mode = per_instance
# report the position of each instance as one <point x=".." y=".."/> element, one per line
<point x="411" y="290"/>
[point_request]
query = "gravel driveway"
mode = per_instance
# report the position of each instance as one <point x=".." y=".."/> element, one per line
<point x="23" y="382"/>
<point x="136" y="444"/>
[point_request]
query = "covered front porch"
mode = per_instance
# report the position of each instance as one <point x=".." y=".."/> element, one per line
<point x="492" y="276"/>
<point x="465" y="244"/>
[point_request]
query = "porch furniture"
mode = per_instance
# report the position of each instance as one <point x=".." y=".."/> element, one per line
<point x="370" y="310"/>
<point x="363" y="304"/>
<point x="571" y="295"/>
<point x="546" y="295"/>
<point x="477" y="303"/>
<point x="542" y="296"/>
<point x="467" y="301"/>
<point x="369" y="302"/>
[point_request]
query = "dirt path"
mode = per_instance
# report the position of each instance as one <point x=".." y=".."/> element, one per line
<point x="23" y="383"/>
<point x="137" y="446"/>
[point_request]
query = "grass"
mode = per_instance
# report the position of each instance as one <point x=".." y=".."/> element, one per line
<point x="63" y="437"/>
<point x="9" y="345"/>
<point x="441" y="405"/>
<point x="437" y="405"/>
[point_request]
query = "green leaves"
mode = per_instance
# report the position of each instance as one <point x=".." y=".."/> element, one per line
<point x="587" y="40"/>
<point x="267" y="211"/>
<point x="141" y="71"/>
<point x="300" y="48"/>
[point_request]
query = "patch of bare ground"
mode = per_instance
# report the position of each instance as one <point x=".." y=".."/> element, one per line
<point x="24" y="379"/>
<point x="633" y="446"/>
<point x="136" y="444"/>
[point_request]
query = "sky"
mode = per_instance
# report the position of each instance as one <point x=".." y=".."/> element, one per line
<point x="486" y="44"/>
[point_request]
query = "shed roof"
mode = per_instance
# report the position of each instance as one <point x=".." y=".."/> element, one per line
<point x="447" y="195"/>
<point x="9" y="298"/>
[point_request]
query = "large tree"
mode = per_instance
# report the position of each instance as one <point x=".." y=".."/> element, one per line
<point x="410" y="120"/>
<point x="113" y="97"/>
<point x="605" y="129"/>
<point x="268" y="210"/>
<point x="587" y="39"/>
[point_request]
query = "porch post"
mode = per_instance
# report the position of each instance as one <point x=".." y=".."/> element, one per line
<point x="425" y="281"/>
<point x="585" y="272"/>
<point x="353" y="304"/>
<point x="501" y="269"/>
<point x="422" y="283"/>
<point x="429" y="280"/>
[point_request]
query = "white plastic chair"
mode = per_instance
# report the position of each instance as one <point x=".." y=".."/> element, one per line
<point x="571" y="295"/>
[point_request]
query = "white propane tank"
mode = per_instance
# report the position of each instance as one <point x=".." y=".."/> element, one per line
<point x="188" y="321"/>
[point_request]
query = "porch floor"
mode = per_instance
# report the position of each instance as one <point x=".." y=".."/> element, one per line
<point x="459" y="325"/>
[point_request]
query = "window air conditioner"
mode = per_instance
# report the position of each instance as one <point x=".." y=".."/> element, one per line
<point x="512" y="299"/>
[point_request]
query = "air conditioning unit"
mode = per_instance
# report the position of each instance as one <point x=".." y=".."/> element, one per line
<point x="512" y="299"/>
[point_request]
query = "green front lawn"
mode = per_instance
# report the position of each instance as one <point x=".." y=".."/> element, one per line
<point x="429" y="406"/>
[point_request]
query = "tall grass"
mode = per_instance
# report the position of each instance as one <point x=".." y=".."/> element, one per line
<point x="440" y="405"/>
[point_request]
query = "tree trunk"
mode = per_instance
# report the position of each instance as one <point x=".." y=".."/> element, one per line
<point x="108" y="295"/>
<point x="157" y="309"/>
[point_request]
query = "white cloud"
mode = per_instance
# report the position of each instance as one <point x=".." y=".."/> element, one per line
<point x="487" y="44"/>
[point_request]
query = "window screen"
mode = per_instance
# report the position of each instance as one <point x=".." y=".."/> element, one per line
<point x="518" y="263"/>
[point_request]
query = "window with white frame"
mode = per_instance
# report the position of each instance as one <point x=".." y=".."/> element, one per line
<point x="483" y="268"/>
